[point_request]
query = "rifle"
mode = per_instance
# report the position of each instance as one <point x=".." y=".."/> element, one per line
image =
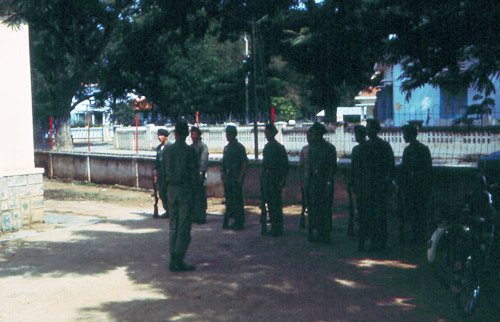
<point x="303" y="212"/>
<point x="263" y="212"/>
<point x="155" y="195"/>
<point x="350" y="227"/>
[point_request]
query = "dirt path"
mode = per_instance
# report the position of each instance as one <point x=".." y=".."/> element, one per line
<point x="113" y="266"/>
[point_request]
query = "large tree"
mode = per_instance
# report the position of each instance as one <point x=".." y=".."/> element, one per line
<point x="433" y="39"/>
<point x="68" y="39"/>
<point x="337" y="44"/>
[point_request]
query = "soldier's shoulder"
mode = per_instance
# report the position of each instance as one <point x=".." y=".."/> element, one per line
<point x="240" y="146"/>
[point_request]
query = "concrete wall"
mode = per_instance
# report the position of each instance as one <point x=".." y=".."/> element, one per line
<point x="133" y="171"/>
<point x="450" y="183"/>
<point x="21" y="184"/>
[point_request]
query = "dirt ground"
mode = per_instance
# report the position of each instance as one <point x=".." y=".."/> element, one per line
<point x="107" y="260"/>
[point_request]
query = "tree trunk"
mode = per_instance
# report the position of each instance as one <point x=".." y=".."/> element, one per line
<point x="63" y="139"/>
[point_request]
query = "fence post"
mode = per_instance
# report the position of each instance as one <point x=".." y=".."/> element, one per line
<point x="137" y="134"/>
<point x="51" y="122"/>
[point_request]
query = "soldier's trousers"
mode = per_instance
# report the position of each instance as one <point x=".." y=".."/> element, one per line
<point x="200" y="202"/>
<point x="272" y="197"/>
<point x="363" y="218"/>
<point x="162" y="192"/>
<point x="320" y="201"/>
<point x="378" y="220"/>
<point x="179" y="203"/>
<point x="415" y="208"/>
<point x="233" y="192"/>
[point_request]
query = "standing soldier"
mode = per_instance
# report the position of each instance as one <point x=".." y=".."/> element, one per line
<point x="181" y="177"/>
<point x="304" y="176"/>
<point x="415" y="182"/>
<point x="322" y="162"/>
<point x="273" y="179"/>
<point x="234" y="166"/>
<point x="380" y="171"/>
<point x="200" y="195"/>
<point x="359" y="183"/>
<point x="159" y="172"/>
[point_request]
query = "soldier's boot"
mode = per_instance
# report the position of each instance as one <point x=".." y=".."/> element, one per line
<point x="177" y="264"/>
<point x="263" y="228"/>
<point x="277" y="229"/>
<point x="361" y="243"/>
<point x="324" y="238"/>
<point x="225" y="223"/>
<point x="164" y="215"/>
<point x="302" y="221"/>
<point x="310" y="235"/>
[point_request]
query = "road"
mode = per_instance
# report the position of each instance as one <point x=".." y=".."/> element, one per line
<point x="100" y="256"/>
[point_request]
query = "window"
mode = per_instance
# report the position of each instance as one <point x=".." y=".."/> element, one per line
<point x="453" y="103"/>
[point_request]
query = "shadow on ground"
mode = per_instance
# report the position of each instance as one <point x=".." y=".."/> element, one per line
<point x="117" y="270"/>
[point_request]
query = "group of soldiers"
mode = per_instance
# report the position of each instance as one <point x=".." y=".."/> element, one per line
<point x="181" y="173"/>
<point x="375" y="180"/>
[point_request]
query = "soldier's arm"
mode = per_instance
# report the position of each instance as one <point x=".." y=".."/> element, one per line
<point x="243" y="171"/>
<point x="204" y="159"/>
<point x="192" y="165"/>
<point x="333" y="157"/>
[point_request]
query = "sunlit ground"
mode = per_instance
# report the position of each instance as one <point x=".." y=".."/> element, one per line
<point x="29" y="290"/>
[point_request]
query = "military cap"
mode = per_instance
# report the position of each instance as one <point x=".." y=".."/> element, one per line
<point x="374" y="124"/>
<point x="163" y="132"/>
<point x="182" y="129"/>
<point x="317" y="128"/>
<point x="273" y="130"/>
<point x="231" y="129"/>
<point x="410" y="129"/>
<point x="196" y="129"/>
<point x="360" y="129"/>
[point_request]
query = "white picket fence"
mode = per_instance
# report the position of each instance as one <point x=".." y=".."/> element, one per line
<point x="444" y="145"/>
<point x="102" y="133"/>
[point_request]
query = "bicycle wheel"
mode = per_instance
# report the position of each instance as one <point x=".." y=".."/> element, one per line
<point x="443" y="265"/>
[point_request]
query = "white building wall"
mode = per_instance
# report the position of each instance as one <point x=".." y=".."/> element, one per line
<point x="16" y="130"/>
<point x="21" y="184"/>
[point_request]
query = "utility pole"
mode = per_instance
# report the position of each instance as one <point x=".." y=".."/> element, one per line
<point x="247" y="101"/>
<point x="254" y="58"/>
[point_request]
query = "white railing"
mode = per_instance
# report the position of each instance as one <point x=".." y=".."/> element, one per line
<point x="103" y="133"/>
<point x="443" y="144"/>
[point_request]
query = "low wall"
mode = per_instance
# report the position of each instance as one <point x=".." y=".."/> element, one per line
<point x="21" y="198"/>
<point x="450" y="183"/>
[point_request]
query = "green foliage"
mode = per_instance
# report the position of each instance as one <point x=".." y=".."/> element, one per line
<point x="123" y="113"/>
<point x="285" y="109"/>
<point x="337" y="44"/>
<point x="478" y="109"/>
<point x="435" y="38"/>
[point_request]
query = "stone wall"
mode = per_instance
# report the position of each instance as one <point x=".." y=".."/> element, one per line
<point x="21" y="187"/>
<point x="21" y="199"/>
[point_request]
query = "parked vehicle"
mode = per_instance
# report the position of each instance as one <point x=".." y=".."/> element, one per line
<point x="463" y="251"/>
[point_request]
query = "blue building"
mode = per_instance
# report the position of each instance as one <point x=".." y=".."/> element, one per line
<point x="432" y="105"/>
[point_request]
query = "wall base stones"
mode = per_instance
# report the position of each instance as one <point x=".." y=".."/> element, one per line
<point x="21" y="198"/>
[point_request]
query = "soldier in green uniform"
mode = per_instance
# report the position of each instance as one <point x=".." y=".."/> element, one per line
<point x="380" y="169"/>
<point x="181" y="177"/>
<point x="322" y="165"/>
<point x="273" y="179"/>
<point x="359" y="184"/>
<point x="415" y="183"/>
<point x="234" y="166"/>
<point x="200" y="195"/>
<point x="159" y="172"/>
<point x="304" y="176"/>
